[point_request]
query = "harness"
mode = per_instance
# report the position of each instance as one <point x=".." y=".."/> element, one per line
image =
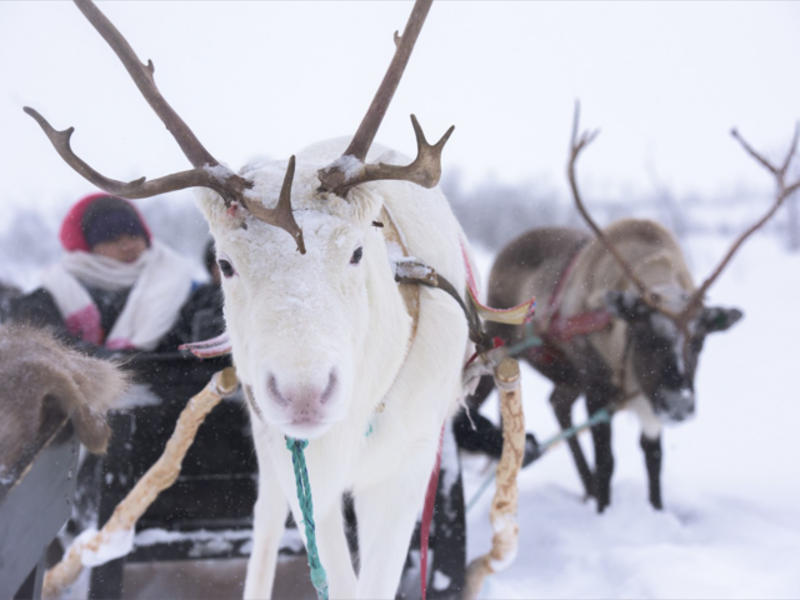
<point x="562" y="329"/>
<point x="556" y="329"/>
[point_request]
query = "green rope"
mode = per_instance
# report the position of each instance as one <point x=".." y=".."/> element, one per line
<point x="318" y="576"/>
<point x="529" y="340"/>
<point x="601" y="416"/>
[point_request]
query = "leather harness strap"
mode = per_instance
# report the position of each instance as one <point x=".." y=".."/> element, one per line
<point x="410" y="273"/>
<point x="408" y="290"/>
<point x="414" y="272"/>
<point x="562" y="329"/>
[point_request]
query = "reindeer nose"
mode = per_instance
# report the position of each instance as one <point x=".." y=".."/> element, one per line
<point x="301" y="395"/>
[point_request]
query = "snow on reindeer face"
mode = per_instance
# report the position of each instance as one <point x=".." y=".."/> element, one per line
<point x="297" y="322"/>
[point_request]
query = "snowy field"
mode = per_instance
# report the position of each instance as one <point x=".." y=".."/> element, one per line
<point x="731" y="485"/>
<point x="731" y="524"/>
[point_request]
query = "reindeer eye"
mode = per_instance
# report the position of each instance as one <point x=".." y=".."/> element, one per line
<point x="225" y="267"/>
<point x="356" y="258"/>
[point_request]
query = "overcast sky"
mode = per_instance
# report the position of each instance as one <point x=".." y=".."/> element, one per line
<point x="665" y="82"/>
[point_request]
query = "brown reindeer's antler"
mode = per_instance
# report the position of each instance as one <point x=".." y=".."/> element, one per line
<point x="349" y="170"/>
<point x="207" y="171"/>
<point x="783" y="191"/>
<point x="576" y="146"/>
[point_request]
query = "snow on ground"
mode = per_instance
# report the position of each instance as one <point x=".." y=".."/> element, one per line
<point x="731" y="524"/>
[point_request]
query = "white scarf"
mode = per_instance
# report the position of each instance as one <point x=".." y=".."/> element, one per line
<point x="161" y="281"/>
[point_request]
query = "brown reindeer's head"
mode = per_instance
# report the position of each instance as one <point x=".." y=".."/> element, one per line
<point x="666" y="330"/>
<point x="664" y="356"/>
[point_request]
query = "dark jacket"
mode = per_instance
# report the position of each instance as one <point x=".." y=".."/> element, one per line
<point x="199" y="319"/>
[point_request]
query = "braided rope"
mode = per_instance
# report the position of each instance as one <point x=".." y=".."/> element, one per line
<point x="318" y="576"/>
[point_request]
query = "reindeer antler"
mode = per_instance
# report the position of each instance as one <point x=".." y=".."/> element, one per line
<point x="783" y="191"/>
<point x="207" y="172"/>
<point x="349" y="170"/>
<point x="576" y="146"/>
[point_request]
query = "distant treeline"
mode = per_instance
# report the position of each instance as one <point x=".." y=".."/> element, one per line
<point x="491" y="214"/>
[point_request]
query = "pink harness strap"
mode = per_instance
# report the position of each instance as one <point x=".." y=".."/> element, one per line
<point x="427" y="517"/>
<point x="209" y="348"/>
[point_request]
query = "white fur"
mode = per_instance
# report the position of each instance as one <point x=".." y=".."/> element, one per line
<point x="651" y="425"/>
<point x="295" y="319"/>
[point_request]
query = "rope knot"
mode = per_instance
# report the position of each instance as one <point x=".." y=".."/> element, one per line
<point x="295" y="444"/>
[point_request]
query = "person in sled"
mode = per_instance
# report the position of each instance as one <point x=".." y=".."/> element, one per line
<point x="116" y="288"/>
<point x="202" y="317"/>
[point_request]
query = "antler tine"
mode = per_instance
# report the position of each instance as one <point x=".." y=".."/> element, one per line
<point x="792" y="149"/>
<point x="362" y="140"/>
<point x="142" y="76"/>
<point x="349" y="170"/>
<point x="282" y="215"/>
<point x="425" y="170"/>
<point x="133" y="190"/>
<point x="207" y="172"/>
<point x="577" y="144"/>
<point x="783" y="191"/>
<point x="231" y="187"/>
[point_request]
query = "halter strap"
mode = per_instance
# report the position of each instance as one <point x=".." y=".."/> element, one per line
<point x="563" y="329"/>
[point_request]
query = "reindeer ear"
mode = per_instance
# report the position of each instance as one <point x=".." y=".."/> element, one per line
<point x="627" y="305"/>
<point x="719" y="319"/>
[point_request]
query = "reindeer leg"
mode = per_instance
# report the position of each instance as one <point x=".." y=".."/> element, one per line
<point x="652" y="460"/>
<point x="268" y="523"/>
<point x="561" y="399"/>
<point x="334" y="554"/>
<point x="387" y="514"/>
<point x="603" y="457"/>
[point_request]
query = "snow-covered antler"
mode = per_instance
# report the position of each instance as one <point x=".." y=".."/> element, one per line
<point x="350" y="170"/>
<point x="207" y="170"/>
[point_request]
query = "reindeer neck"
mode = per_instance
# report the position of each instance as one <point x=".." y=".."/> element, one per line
<point x="394" y="313"/>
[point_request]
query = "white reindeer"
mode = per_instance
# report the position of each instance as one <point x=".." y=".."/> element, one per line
<point x="329" y="347"/>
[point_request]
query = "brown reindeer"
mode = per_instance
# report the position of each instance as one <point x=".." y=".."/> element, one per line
<point x="38" y="375"/>
<point x="620" y="319"/>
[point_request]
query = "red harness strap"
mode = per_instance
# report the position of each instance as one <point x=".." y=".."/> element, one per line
<point x="427" y="517"/>
<point x="560" y="329"/>
<point x="563" y="330"/>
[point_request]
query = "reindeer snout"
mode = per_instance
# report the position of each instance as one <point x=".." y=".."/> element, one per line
<point x="303" y="401"/>
<point x="678" y="405"/>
